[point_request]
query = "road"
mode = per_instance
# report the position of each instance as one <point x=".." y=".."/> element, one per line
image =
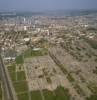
<point x="6" y="83"/>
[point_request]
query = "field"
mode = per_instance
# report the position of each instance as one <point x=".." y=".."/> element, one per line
<point x="23" y="96"/>
<point x="92" y="97"/>
<point x="19" y="82"/>
<point x="19" y="59"/>
<point x="20" y="86"/>
<point x="30" y="53"/>
<point x="21" y="75"/>
<point x="58" y="94"/>
<point x="35" y="95"/>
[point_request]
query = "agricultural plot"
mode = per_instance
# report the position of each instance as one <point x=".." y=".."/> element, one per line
<point x="23" y="96"/>
<point x="40" y="79"/>
<point x="42" y="72"/>
<point x="58" y="94"/>
<point x="19" y="81"/>
<point x="78" y="74"/>
<point x="30" y="53"/>
<point x="51" y="91"/>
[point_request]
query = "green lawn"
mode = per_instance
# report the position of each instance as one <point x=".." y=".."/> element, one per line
<point x="20" y="86"/>
<point x="27" y="53"/>
<point x="30" y="53"/>
<point x="58" y="94"/>
<point x="11" y="68"/>
<point x="48" y="95"/>
<point x="35" y="95"/>
<point x="62" y="94"/>
<point x="21" y="76"/>
<point x="19" y="59"/>
<point x="12" y="76"/>
<point x="18" y="80"/>
<point x="12" y="71"/>
<point x="92" y="97"/>
<point x="23" y="96"/>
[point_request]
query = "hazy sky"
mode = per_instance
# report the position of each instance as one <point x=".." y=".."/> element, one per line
<point x="39" y="5"/>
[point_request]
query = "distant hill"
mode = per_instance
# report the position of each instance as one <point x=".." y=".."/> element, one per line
<point x="50" y="13"/>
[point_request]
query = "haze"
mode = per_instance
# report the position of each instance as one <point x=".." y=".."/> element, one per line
<point x="40" y="5"/>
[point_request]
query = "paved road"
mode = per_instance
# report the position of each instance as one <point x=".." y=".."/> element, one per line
<point x="6" y="84"/>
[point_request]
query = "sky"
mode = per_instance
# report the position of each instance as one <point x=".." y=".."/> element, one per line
<point x="42" y="5"/>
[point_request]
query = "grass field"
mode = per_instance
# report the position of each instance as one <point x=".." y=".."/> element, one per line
<point x="19" y="82"/>
<point x="19" y="59"/>
<point x="23" y="96"/>
<point x="35" y="95"/>
<point x="12" y="72"/>
<point x="17" y="76"/>
<point x="48" y="95"/>
<point x="31" y="53"/>
<point x="58" y="94"/>
<point x="11" y="68"/>
<point x="20" y="86"/>
<point x="62" y="94"/>
<point x="21" y="76"/>
<point x="12" y="76"/>
<point x="92" y="97"/>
